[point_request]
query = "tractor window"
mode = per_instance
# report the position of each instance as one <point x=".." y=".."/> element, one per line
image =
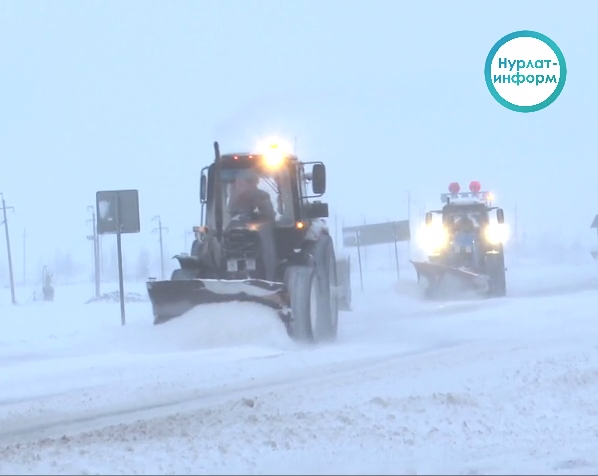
<point x="276" y="184"/>
<point x="469" y="219"/>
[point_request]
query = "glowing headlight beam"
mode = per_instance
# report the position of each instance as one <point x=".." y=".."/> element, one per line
<point x="433" y="238"/>
<point x="496" y="233"/>
<point x="274" y="151"/>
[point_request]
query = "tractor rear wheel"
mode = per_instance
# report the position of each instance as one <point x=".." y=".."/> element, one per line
<point x="497" y="279"/>
<point x="310" y="306"/>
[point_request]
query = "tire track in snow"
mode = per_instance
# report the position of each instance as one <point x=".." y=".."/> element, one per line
<point x="55" y="427"/>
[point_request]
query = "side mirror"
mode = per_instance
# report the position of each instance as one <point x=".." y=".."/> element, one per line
<point x="203" y="186"/>
<point x="317" y="210"/>
<point x="318" y="179"/>
<point x="428" y="218"/>
<point x="500" y="216"/>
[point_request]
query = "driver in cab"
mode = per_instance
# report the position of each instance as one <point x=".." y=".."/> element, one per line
<point x="466" y="224"/>
<point x="248" y="199"/>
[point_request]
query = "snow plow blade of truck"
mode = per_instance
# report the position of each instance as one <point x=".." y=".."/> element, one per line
<point x="442" y="276"/>
<point x="171" y="299"/>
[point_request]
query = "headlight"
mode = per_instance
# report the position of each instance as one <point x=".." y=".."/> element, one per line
<point x="274" y="151"/>
<point x="496" y="233"/>
<point x="433" y="238"/>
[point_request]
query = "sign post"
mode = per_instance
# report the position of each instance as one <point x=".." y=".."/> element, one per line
<point x="358" y="241"/>
<point x="377" y="234"/>
<point x="96" y="250"/>
<point x="118" y="213"/>
<point x="394" y="231"/>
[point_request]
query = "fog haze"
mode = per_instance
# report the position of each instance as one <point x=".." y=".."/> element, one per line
<point x="390" y="95"/>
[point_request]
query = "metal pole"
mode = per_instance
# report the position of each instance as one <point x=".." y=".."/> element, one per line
<point x="121" y="283"/>
<point x="516" y="227"/>
<point x="24" y="256"/>
<point x="396" y="251"/>
<point x="159" y="230"/>
<point x="188" y="233"/>
<point x="365" y="250"/>
<point x="359" y="258"/>
<point x="161" y="253"/>
<point x="12" y="279"/>
<point x="389" y="245"/>
<point x="96" y="255"/>
<point x="96" y="251"/>
<point x="409" y="219"/>
<point x="101" y="257"/>
<point x="335" y="231"/>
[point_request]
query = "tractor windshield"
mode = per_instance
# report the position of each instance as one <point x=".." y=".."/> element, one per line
<point x="468" y="220"/>
<point x="243" y="188"/>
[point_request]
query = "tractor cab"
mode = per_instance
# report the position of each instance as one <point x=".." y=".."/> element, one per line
<point x="466" y="221"/>
<point x="272" y="179"/>
<point x="256" y="209"/>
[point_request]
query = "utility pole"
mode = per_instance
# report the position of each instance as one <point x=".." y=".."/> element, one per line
<point x="186" y="234"/>
<point x="408" y="192"/>
<point x="159" y="230"/>
<point x="365" y="249"/>
<point x="96" y="250"/>
<point x="336" y="245"/>
<point x="12" y="279"/>
<point x="100" y="256"/>
<point x="516" y="227"/>
<point x="24" y="256"/>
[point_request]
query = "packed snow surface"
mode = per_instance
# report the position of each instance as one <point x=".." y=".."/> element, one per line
<point x="503" y="386"/>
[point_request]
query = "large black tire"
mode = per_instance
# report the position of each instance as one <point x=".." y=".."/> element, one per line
<point x="328" y="286"/>
<point x="298" y="280"/>
<point x="312" y="290"/>
<point x="497" y="279"/>
<point x="343" y="272"/>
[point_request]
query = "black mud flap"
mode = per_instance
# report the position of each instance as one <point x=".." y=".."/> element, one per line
<point x="172" y="299"/>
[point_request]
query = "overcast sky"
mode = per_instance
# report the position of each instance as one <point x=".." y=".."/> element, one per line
<point x="390" y="94"/>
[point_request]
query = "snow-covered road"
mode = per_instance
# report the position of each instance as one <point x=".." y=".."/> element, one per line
<point x="472" y="387"/>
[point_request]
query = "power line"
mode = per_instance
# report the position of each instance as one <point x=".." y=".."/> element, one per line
<point x="12" y="279"/>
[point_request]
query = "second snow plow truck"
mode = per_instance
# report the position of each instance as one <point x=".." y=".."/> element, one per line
<point x="261" y="240"/>
<point x="465" y="248"/>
